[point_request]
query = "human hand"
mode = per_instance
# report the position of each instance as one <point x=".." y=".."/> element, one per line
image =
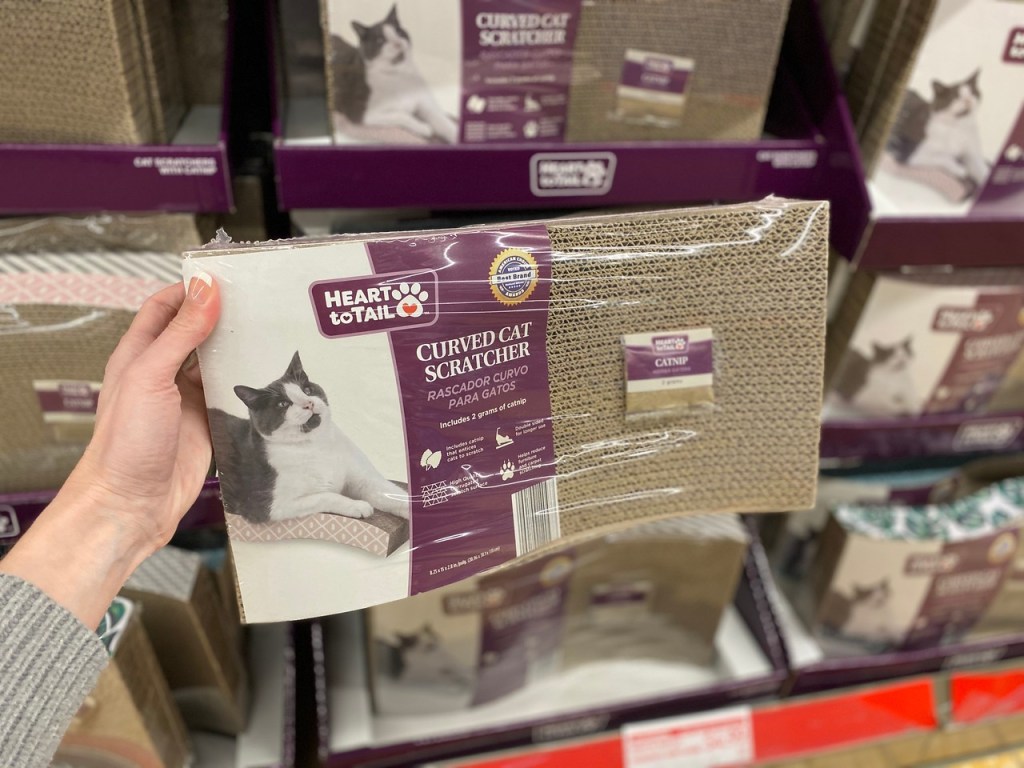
<point x="145" y="465"/>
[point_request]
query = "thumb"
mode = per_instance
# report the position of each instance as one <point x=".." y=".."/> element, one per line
<point x="191" y="325"/>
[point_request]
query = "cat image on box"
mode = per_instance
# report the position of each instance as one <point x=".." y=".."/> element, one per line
<point x="862" y="614"/>
<point x="878" y="383"/>
<point x="937" y="142"/>
<point x="419" y="658"/>
<point x="376" y="83"/>
<point x="288" y="459"/>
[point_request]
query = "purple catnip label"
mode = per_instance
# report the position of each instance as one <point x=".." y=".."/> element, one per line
<point x="643" y="70"/>
<point x="521" y="633"/>
<point x="67" y="402"/>
<point x="473" y="379"/>
<point x="516" y="69"/>
<point x="668" y="360"/>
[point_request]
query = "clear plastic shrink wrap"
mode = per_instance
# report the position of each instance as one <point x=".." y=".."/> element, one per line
<point x="394" y="413"/>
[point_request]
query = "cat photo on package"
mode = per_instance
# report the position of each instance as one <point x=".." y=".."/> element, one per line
<point x="937" y="141"/>
<point x="290" y="459"/>
<point x="393" y="71"/>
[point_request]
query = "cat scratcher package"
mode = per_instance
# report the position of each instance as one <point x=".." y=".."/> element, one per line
<point x="129" y="718"/>
<point x="624" y="685"/>
<point x="154" y="232"/>
<point x="940" y="109"/>
<point x="61" y="315"/>
<point x="394" y="413"/>
<point x="513" y="71"/>
<point x="195" y="637"/>
<point x="654" y="591"/>
<point x="89" y="72"/>
<point x="938" y="343"/>
<point x="897" y="576"/>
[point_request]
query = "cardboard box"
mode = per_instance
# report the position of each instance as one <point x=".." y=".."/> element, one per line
<point x="467" y="413"/>
<point x="594" y="71"/>
<point x="656" y="591"/>
<point x="922" y="344"/>
<point x="937" y="100"/>
<point x="196" y="634"/>
<point x="130" y="717"/>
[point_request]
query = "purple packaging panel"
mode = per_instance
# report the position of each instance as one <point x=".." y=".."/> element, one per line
<point x="753" y="606"/>
<point x="19" y="510"/>
<point x="811" y="152"/>
<point x="187" y="177"/>
<point x="856" y="442"/>
<point x="917" y="242"/>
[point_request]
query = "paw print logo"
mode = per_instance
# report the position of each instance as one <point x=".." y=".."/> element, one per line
<point x="410" y="300"/>
<point x="508" y="470"/>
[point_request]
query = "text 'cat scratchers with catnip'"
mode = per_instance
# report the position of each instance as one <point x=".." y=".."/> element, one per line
<point x="393" y="413"/>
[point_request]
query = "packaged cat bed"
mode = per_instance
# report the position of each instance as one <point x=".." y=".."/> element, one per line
<point x="899" y="576"/>
<point x="473" y="71"/>
<point x="129" y="717"/>
<point x="930" y="343"/>
<point x="654" y="591"/>
<point x="195" y="634"/>
<point x="61" y="315"/>
<point x="89" y="71"/>
<point x="939" y="107"/>
<point x="402" y="411"/>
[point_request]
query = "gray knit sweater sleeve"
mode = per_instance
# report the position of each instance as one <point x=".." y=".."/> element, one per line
<point x="49" y="661"/>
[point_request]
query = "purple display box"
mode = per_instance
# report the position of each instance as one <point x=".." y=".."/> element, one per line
<point x="84" y="178"/>
<point x="813" y="155"/>
<point x="19" y="510"/>
<point x="890" y="243"/>
<point x="857" y="442"/>
<point x="753" y="605"/>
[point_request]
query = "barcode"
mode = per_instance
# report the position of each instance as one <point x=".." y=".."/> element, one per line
<point x="535" y="516"/>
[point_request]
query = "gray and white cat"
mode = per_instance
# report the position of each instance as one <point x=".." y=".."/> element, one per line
<point x="288" y="459"/>
<point x="943" y="133"/>
<point x="879" y="383"/>
<point x="863" y="615"/>
<point x="378" y="83"/>
<point x="419" y="658"/>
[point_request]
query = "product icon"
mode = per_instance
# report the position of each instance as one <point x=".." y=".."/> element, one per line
<point x="530" y="104"/>
<point x="502" y="440"/>
<point x="531" y="129"/>
<point x="476" y="104"/>
<point x="508" y="470"/>
<point x="430" y="459"/>
<point x="1013" y="153"/>
<point x="410" y="300"/>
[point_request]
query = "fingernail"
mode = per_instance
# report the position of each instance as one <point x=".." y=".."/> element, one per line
<point x="199" y="287"/>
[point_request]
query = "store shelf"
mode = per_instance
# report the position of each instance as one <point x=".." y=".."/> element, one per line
<point x="757" y="616"/>
<point x="863" y="442"/>
<point x="190" y="175"/>
<point x="19" y="510"/>
<point x="986" y="695"/>
<point x="812" y="154"/>
<point x="747" y="736"/>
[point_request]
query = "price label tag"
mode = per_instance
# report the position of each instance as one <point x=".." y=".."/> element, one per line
<point x="714" y="740"/>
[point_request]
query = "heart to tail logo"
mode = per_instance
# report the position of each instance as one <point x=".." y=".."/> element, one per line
<point x="410" y="300"/>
